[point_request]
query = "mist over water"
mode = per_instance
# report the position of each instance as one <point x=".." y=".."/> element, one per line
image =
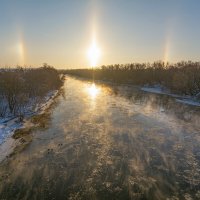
<point x="109" y="142"/>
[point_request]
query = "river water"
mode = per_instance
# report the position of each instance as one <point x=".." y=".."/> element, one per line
<point x="108" y="142"/>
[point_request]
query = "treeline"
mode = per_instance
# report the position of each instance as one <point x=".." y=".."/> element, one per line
<point x="20" y="87"/>
<point x="182" y="77"/>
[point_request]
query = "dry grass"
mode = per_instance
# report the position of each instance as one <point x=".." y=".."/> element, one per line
<point x="19" y="133"/>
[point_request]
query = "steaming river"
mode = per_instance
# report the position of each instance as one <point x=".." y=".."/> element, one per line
<point x="104" y="142"/>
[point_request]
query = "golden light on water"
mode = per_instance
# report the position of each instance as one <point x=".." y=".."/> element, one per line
<point x="94" y="54"/>
<point x="93" y="91"/>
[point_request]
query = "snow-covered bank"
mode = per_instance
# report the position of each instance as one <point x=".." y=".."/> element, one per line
<point x="189" y="102"/>
<point x="157" y="89"/>
<point x="9" y="124"/>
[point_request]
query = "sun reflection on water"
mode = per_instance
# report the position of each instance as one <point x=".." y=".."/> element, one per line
<point x="93" y="91"/>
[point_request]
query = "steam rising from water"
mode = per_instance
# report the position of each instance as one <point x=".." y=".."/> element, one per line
<point x="133" y="145"/>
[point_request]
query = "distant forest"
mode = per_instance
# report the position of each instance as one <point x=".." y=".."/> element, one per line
<point x="181" y="78"/>
<point x="20" y="87"/>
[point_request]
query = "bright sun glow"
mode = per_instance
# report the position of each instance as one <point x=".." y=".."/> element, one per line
<point x="93" y="90"/>
<point x="93" y="54"/>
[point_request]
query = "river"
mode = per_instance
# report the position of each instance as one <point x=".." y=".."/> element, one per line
<point x="108" y="142"/>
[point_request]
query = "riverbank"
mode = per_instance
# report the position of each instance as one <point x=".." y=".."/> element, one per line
<point x="156" y="89"/>
<point x="185" y="99"/>
<point x="10" y="125"/>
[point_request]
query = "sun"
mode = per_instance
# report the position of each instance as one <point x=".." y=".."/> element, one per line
<point x="94" y="54"/>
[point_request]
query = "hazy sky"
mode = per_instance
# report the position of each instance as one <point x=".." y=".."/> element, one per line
<point x="60" y="32"/>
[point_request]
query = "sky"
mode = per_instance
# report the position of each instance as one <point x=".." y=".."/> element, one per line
<point x="61" y="32"/>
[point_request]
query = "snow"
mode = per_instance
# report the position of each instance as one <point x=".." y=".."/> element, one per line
<point x="189" y="102"/>
<point x="198" y="95"/>
<point x="9" y="124"/>
<point x="157" y="89"/>
<point x="7" y="148"/>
